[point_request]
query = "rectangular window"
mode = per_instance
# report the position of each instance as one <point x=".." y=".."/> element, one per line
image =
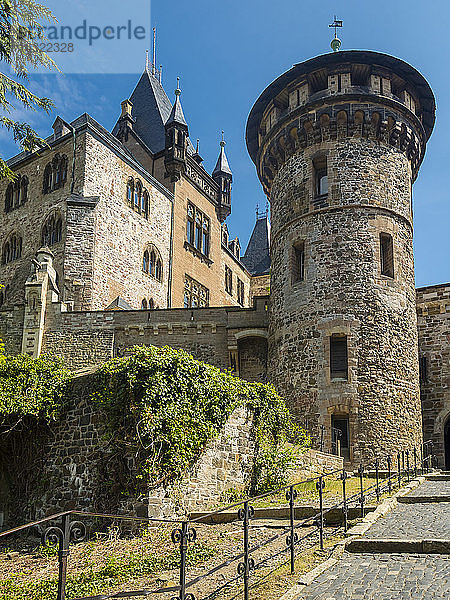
<point x="338" y="357"/>
<point x="240" y="292"/>
<point x="198" y="229"/>
<point x="423" y="369"/>
<point x="228" y="280"/>
<point x="387" y="255"/>
<point x="196" y="295"/>
<point x="298" y="262"/>
<point x="320" y="176"/>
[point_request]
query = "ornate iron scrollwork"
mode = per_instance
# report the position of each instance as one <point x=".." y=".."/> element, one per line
<point x="54" y="534"/>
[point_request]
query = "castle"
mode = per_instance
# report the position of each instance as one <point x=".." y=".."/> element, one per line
<point x="112" y="239"/>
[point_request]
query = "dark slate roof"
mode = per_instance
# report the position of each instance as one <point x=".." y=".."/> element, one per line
<point x="331" y="59"/>
<point x="151" y="109"/>
<point x="176" y="114"/>
<point x="119" y="304"/>
<point x="222" y="165"/>
<point x="257" y="256"/>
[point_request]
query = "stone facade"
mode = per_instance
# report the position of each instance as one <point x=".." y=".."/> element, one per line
<point x="433" y="315"/>
<point x="327" y="277"/>
<point x="337" y="142"/>
<point x="74" y="471"/>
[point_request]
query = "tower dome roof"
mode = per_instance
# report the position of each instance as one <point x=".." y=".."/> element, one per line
<point x="333" y="60"/>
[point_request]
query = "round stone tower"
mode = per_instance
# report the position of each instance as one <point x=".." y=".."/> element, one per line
<point x="337" y="142"/>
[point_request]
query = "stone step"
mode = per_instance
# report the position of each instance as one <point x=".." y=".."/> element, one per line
<point x="333" y="516"/>
<point x="422" y="499"/>
<point x="389" y="546"/>
<point x="444" y="476"/>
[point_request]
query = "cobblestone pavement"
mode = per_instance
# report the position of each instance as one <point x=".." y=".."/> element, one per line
<point x="432" y="488"/>
<point x="384" y="577"/>
<point x="414" y="521"/>
<point x="394" y="576"/>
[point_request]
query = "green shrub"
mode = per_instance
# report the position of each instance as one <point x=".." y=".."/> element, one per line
<point x="172" y="405"/>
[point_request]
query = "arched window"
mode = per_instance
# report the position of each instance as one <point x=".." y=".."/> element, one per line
<point x="137" y="194"/>
<point x="130" y="190"/>
<point x="55" y="173"/>
<point x="48" y="171"/>
<point x="12" y="250"/>
<point x="158" y="270"/>
<point x="16" y="195"/>
<point x="152" y="262"/>
<point x="144" y="304"/>
<point x="9" y="197"/>
<point x="52" y="231"/>
<point x="145" y="262"/>
<point x="23" y="197"/>
<point x="152" y="265"/>
<point x="144" y="204"/>
<point x="151" y="304"/>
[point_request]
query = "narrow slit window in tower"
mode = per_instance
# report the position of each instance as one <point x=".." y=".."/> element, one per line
<point x="338" y="357"/>
<point x="298" y="262"/>
<point x="321" y="176"/>
<point x="387" y="255"/>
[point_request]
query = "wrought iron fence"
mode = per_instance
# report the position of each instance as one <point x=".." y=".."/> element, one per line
<point x="66" y="528"/>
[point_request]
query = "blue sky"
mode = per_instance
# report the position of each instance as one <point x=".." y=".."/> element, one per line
<point x="226" y="53"/>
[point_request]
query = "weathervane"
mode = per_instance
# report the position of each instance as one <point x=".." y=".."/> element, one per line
<point x="335" y="42"/>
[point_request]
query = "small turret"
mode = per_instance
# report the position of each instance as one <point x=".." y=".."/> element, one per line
<point x="126" y="121"/>
<point x="223" y="177"/>
<point x="176" y="139"/>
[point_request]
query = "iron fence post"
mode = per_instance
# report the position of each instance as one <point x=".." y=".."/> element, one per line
<point x="399" y="474"/>
<point x="245" y="567"/>
<point x="403" y="462"/>
<point x="407" y="465"/>
<point x="389" y="474"/>
<point x="377" y="488"/>
<point x="322" y="431"/>
<point x="182" y="537"/>
<point x="415" y="461"/>
<point x="293" y="537"/>
<point x="344" y="499"/>
<point x="320" y="485"/>
<point x="63" y="553"/>
<point x="361" y="485"/>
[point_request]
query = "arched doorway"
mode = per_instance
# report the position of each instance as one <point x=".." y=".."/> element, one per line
<point x="447" y="444"/>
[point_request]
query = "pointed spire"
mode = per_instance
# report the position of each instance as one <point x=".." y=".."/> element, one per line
<point x="147" y="63"/>
<point x="176" y="115"/>
<point x="222" y="165"/>
<point x="197" y="156"/>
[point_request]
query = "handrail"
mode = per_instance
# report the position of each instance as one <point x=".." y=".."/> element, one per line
<point x="75" y="530"/>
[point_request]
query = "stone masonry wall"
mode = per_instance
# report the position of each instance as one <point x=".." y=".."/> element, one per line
<point x="122" y="234"/>
<point x="88" y="338"/>
<point x="73" y="476"/>
<point x="433" y="315"/>
<point x="28" y="220"/>
<point x="344" y="293"/>
<point x="11" y="329"/>
<point x="225" y="464"/>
